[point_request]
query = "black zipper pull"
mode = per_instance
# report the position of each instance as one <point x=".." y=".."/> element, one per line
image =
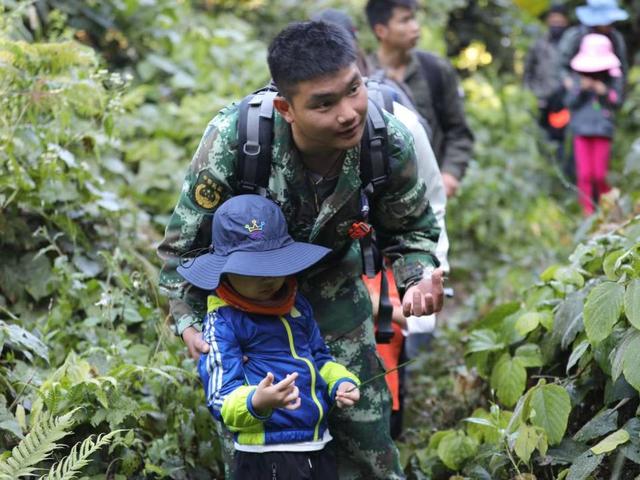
<point x="274" y="472"/>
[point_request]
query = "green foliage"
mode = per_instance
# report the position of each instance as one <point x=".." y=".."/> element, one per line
<point x="574" y="328"/>
<point x="90" y="164"/>
<point x="36" y="446"/>
<point x="78" y="458"/>
<point x="80" y="317"/>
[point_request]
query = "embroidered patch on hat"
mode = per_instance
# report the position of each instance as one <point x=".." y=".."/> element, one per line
<point x="206" y="192"/>
<point x="255" y="230"/>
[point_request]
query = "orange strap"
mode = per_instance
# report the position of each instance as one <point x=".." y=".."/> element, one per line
<point x="389" y="352"/>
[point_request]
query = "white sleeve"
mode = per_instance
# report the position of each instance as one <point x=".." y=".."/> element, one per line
<point x="429" y="171"/>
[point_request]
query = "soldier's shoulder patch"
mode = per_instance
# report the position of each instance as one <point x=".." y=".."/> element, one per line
<point x="206" y="192"/>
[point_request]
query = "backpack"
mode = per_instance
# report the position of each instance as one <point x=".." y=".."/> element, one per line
<point x="431" y="69"/>
<point x="253" y="168"/>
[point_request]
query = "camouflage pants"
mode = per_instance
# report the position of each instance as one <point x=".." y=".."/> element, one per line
<point x="362" y="441"/>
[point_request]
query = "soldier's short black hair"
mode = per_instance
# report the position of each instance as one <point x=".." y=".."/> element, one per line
<point x="381" y="11"/>
<point x="307" y="50"/>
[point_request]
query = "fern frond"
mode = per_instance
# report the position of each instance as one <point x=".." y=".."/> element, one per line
<point x="71" y="465"/>
<point x="36" y="446"/>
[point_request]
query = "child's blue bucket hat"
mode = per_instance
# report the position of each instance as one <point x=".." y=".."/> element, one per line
<point x="250" y="237"/>
<point x="600" y="12"/>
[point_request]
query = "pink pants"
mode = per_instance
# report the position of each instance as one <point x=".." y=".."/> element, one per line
<point x="592" y="163"/>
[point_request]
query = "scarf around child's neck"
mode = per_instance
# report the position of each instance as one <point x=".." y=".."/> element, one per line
<point x="280" y="304"/>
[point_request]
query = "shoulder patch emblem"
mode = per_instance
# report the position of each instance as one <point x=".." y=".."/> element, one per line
<point x="206" y="192"/>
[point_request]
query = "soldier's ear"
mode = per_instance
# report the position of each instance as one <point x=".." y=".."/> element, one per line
<point x="284" y="108"/>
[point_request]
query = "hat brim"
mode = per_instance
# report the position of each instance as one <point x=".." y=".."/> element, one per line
<point x="591" y="64"/>
<point x="592" y="18"/>
<point x="205" y="271"/>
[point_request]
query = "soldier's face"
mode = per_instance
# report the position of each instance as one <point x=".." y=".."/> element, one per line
<point x="327" y="113"/>
<point x="401" y="32"/>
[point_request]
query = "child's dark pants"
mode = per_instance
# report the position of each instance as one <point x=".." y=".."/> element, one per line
<point x="317" y="465"/>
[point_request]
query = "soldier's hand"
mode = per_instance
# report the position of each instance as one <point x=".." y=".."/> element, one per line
<point x="347" y="395"/>
<point x="194" y="342"/>
<point x="425" y="297"/>
<point x="283" y="394"/>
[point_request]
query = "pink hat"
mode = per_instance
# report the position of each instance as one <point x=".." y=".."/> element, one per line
<point x="595" y="55"/>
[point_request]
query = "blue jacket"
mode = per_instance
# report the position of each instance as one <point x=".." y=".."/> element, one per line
<point x="281" y="345"/>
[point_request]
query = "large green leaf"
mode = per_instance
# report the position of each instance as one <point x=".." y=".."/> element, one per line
<point x="529" y="355"/>
<point x="483" y="340"/>
<point x="570" y="276"/>
<point x="577" y="353"/>
<point x="603" y="423"/>
<point x="611" y="442"/>
<point x="632" y="303"/>
<point x="584" y="465"/>
<point x="528" y="322"/>
<point x="568" y="319"/>
<point x="509" y="378"/>
<point x="551" y="405"/>
<point x="528" y="439"/>
<point x="608" y="265"/>
<point x="455" y="448"/>
<point x="630" y="366"/>
<point x="632" y="449"/>
<point x="602" y="310"/>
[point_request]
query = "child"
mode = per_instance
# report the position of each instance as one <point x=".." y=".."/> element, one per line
<point x="268" y="376"/>
<point x="593" y="92"/>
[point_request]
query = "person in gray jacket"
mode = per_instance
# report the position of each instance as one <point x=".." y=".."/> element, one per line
<point x="594" y="91"/>
<point x="542" y="76"/>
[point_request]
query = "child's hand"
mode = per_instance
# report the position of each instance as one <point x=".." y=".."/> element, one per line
<point x="586" y="83"/>
<point x="283" y="394"/>
<point x="599" y="87"/>
<point x="347" y="395"/>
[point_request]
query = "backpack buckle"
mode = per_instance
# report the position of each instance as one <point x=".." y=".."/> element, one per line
<point x="359" y="230"/>
<point x="251" y="148"/>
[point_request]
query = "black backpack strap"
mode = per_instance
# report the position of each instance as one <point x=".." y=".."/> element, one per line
<point x="432" y="71"/>
<point x="374" y="151"/>
<point x="255" y="136"/>
<point x="374" y="173"/>
<point x="384" y="330"/>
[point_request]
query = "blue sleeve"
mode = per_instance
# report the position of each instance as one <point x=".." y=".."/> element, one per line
<point x="223" y="363"/>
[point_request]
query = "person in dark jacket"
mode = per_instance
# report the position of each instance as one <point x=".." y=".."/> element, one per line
<point x="594" y="91"/>
<point x="431" y="80"/>
<point x="542" y="77"/>
<point x="276" y="403"/>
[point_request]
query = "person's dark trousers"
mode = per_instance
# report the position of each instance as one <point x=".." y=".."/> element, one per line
<point x="317" y="465"/>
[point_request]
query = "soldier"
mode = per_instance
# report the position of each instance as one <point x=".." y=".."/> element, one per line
<point x="320" y="117"/>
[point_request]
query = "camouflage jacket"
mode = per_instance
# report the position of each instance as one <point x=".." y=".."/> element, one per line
<point x="402" y="217"/>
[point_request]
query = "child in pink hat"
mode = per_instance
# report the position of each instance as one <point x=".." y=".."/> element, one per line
<point x="593" y="92"/>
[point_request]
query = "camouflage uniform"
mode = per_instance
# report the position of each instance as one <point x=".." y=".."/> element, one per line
<point x="404" y="224"/>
